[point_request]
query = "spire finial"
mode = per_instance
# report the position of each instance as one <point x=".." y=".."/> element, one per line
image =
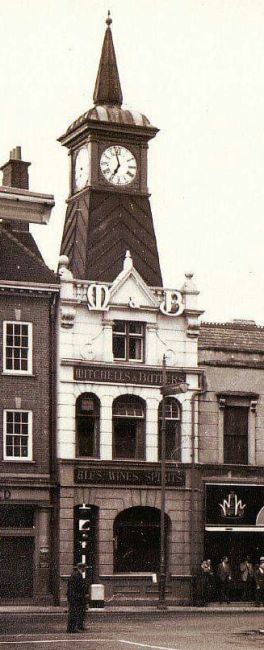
<point x="109" y="19"/>
<point x="107" y="86"/>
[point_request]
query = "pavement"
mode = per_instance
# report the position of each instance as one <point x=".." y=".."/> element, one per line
<point x="213" y="609"/>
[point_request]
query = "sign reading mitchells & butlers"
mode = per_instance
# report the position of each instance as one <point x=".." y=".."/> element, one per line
<point x="124" y="375"/>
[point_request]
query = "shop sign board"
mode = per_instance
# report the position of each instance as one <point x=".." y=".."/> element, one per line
<point x="91" y="475"/>
<point x="235" y="504"/>
<point x="124" y="375"/>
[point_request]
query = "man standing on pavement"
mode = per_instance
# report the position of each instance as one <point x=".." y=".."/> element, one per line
<point x="259" y="578"/>
<point x="224" y="575"/>
<point x="76" y="600"/>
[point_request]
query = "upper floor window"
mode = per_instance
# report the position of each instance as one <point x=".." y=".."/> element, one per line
<point x="129" y="427"/>
<point x="17" y="435"/>
<point x="172" y="429"/>
<point x="17" y="347"/>
<point x="128" y="340"/>
<point x="236" y="434"/>
<point x="87" y="425"/>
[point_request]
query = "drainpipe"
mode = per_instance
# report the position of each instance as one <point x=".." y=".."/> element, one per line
<point x="53" y="447"/>
<point x="201" y="391"/>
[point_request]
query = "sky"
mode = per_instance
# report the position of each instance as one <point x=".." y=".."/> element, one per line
<point x="196" y="69"/>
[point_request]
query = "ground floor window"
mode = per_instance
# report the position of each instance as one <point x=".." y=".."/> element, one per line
<point x="137" y="540"/>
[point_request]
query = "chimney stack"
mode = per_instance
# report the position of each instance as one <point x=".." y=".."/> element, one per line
<point x="15" y="171"/>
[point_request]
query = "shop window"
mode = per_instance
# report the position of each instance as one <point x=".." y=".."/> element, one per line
<point x="128" y="341"/>
<point x="17" y="348"/>
<point x="236" y="435"/>
<point x="87" y="425"/>
<point x="136" y="537"/>
<point x="129" y="427"/>
<point x="172" y="429"/>
<point x="16" y="516"/>
<point x="17" y="435"/>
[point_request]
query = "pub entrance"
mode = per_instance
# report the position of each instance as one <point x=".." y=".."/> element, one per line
<point x="236" y="545"/>
<point x="137" y="540"/>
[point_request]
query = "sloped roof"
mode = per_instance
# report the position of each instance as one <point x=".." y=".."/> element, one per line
<point x="236" y="336"/>
<point x="20" y="259"/>
<point x="101" y="228"/>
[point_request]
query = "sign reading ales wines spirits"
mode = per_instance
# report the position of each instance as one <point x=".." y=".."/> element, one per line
<point x="92" y="475"/>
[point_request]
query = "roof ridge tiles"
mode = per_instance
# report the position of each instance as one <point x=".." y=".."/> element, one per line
<point x="250" y="326"/>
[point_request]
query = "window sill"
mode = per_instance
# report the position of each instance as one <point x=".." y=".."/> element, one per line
<point x="19" y="460"/>
<point x="129" y="361"/>
<point x="17" y="373"/>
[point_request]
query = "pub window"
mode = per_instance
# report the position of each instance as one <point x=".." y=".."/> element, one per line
<point x="236" y="435"/>
<point x="129" y="427"/>
<point x="87" y="425"/>
<point x="172" y="429"/>
<point x="128" y="340"/>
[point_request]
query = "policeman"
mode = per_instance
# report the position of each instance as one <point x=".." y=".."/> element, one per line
<point x="76" y="600"/>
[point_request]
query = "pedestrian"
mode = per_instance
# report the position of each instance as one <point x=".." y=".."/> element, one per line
<point x="259" y="579"/>
<point x="76" y="600"/>
<point x="247" y="578"/>
<point x="224" y="575"/>
<point x="204" y="583"/>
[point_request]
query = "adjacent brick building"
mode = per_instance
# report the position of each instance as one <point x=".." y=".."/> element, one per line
<point x="230" y="450"/>
<point x="28" y="292"/>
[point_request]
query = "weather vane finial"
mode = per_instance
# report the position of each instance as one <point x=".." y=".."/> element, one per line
<point x="109" y="19"/>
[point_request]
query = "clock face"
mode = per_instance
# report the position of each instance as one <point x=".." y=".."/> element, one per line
<point x="118" y="165"/>
<point x="81" y="168"/>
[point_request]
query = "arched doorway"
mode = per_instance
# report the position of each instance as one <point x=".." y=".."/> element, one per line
<point x="85" y="538"/>
<point x="137" y="540"/>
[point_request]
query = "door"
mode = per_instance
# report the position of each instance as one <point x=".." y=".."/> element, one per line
<point x="16" y="567"/>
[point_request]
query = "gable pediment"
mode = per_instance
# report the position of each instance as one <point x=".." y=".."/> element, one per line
<point x="131" y="290"/>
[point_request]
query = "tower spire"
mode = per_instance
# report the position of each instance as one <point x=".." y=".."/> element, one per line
<point x="107" y="86"/>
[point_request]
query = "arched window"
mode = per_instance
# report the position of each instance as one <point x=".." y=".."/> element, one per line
<point x="129" y="427"/>
<point x="172" y="429"/>
<point x="87" y="425"/>
<point x="137" y="540"/>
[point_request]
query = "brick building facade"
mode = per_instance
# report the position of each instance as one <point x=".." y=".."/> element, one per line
<point x="229" y="476"/>
<point x="28" y="291"/>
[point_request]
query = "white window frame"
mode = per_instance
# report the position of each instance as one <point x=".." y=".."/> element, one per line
<point x="126" y="336"/>
<point x="8" y="371"/>
<point x="18" y="459"/>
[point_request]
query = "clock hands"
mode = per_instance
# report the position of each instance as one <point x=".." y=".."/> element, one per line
<point x="117" y="167"/>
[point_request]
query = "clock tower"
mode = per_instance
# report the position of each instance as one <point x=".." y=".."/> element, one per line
<point x="108" y="209"/>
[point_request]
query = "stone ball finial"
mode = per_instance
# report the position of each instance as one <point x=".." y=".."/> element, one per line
<point x="189" y="286"/>
<point x="64" y="272"/>
<point x="63" y="261"/>
<point x="109" y="19"/>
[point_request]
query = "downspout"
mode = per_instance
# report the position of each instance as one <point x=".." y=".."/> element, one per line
<point x="201" y="391"/>
<point x="53" y="446"/>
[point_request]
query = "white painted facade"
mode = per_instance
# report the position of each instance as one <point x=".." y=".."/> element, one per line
<point x="85" y="338"/>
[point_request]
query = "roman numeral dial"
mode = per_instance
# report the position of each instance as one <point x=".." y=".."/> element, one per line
<point x="118" y="165"/>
